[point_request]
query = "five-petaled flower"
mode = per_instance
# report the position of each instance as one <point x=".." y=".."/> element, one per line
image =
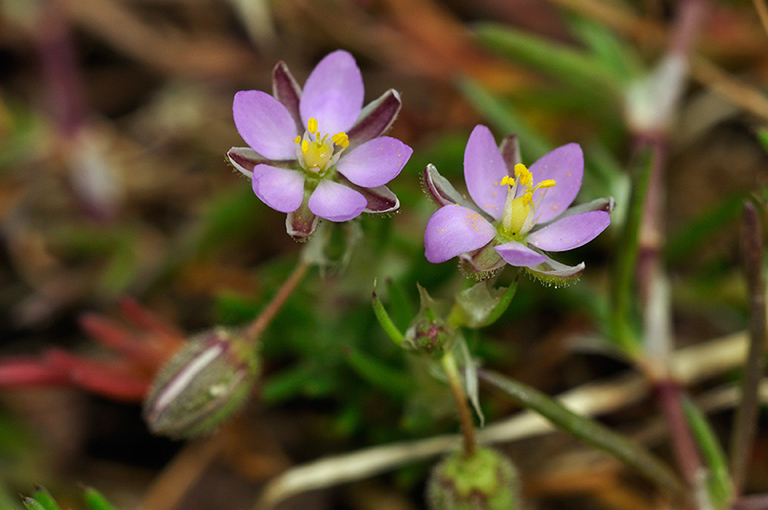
<point x="317" y="153"/>
<point x="518" y="213"/>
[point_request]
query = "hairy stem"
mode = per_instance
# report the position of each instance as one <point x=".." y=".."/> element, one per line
<point x="260" y="323"/>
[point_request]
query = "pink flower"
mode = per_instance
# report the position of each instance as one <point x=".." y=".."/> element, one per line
<point x="318" y="153"/>
<point x="518" y="214"/>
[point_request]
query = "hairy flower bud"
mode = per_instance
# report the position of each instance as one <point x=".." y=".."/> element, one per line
<point x="428" y="333"/>
<point x="206" y="382"/>
<point x="484" y="481"/>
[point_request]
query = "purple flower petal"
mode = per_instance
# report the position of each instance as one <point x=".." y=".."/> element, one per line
<point x="375" y="162"/>
<point x="376" y="118"/>
<point x="483" y="170"/>
<point x="265" y="124"/>
<point x="336" y="202"/>
<point x="518" y="254"/>
<point x="279" y="188"/>
<point x="566" y="166"/>
<point x="570" y="232"/>
<point x="454" y="230"/>
<point x="287" y="91"/>
<point x="333" y="93"/>
<point x="301" y="223"/>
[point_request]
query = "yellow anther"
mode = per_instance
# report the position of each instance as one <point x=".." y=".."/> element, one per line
<point x="548" y="183"/>
<point x="523" y="175"/>
<point x="297" y="140"/>
<point x="341" y="139"/>
<point x="304" y="147"/>
<point x="507" y="180"/>
<point x="312" y="125"/>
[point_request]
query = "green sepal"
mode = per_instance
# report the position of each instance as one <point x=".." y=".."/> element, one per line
<point x="384" y="319"/>
<point x="42" y="496"/>
<point x="480" y="305"/>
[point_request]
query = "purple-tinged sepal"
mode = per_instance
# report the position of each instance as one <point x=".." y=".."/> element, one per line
<point x="510" y="152"/>
<point x="556" y="274"/>
<point x="287" y="91"/>
<point x="439" y="189"/>
<point x="301" y="223"/>
<point x="482" y="263"/>
<point x="380" y="199"/>
<point x="203" y="385"/>
<point x="606" y="204"/>
<point x="243" y="159"/>
<point x="376" y="118"/>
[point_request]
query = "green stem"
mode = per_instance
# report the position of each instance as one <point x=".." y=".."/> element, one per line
<point x="457" y="389"/>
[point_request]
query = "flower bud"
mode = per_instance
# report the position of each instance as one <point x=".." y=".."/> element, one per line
<point x="484" y="481"/>
<point x="206" y="382"/>
<point x="428" y="334"/>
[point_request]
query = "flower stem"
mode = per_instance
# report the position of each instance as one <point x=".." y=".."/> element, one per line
<point x="260" y="323"/>
<point x="744" y="423"/>
<point x="457" y="389"/>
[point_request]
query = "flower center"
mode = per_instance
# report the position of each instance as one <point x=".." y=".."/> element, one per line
<point x="519" y="213"/>
<point x="317" y="152"/>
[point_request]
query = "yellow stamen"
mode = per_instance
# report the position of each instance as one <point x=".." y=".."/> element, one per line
<point x="507" y="180"/>
<point x="297" y="139"/>
<point x="549" y="183"/>
<point x="312" y="125"/>
<point x="523" y="175"/>
<point x="304" y="147"/>
<point x="341" y="139"/>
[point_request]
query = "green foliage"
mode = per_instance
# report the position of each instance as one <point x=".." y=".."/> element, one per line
<point x="41" y="499"/>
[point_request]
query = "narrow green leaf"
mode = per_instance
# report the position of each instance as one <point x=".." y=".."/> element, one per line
<point x="95" y="500"/>
<point x="720" y="487"/>
<point x="390" y="380"/>
<point x="506" y="119"/>
<point x="623" y="290"/>
<point x="563" y="62"/>
<point x="589" y="431"/>
<point x="31" y="504"/>
<point x="386" y="322"/>
<point x="42" y="496"/>
<point x="613" y="52"/>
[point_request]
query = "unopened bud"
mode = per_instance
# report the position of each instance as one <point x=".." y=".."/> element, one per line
<point x="428" y="333"/>
<point x="485" y="480"/>
<point x="206" y="382"/>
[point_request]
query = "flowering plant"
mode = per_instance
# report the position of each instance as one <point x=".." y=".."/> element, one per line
<point x="518" y="213"/>
<point x="317" y="153"/>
